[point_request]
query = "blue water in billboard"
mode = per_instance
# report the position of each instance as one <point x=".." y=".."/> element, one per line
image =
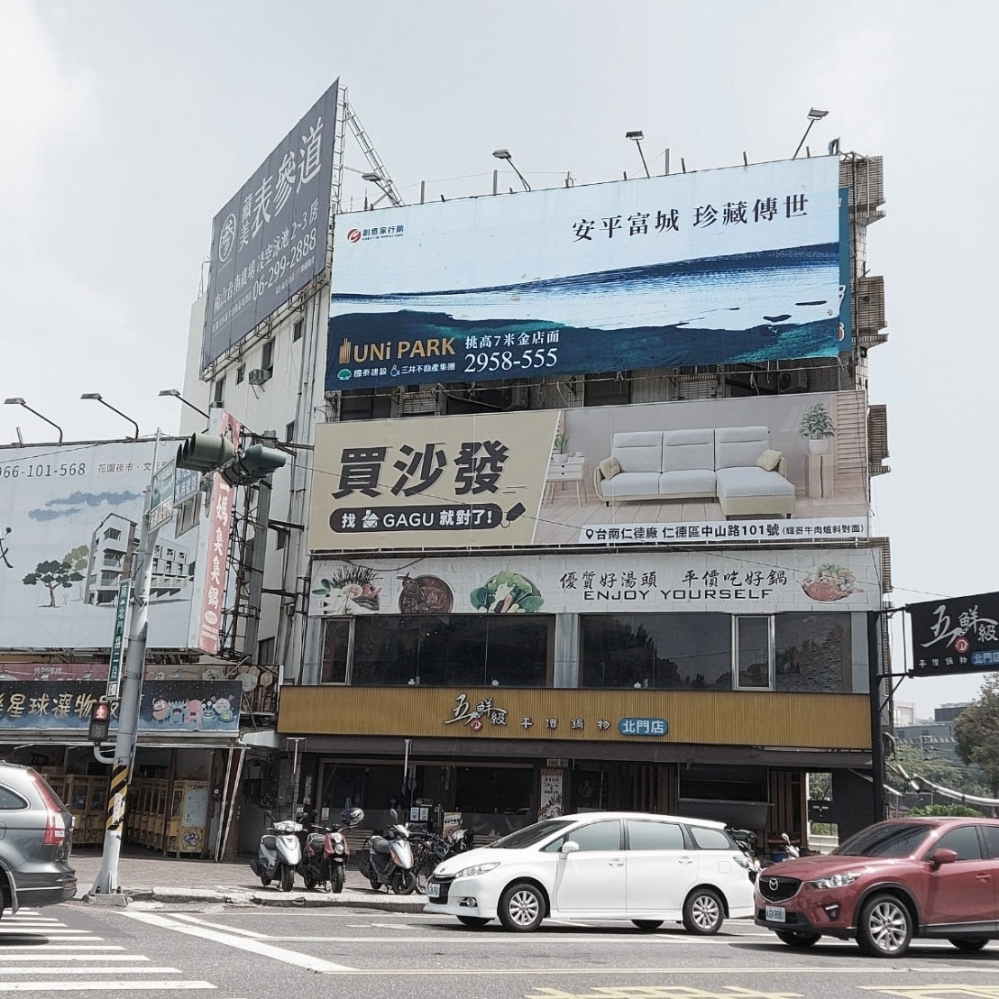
<point x="774" y="305"/>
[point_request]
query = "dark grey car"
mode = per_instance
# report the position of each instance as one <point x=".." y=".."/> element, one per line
<point x="36" y="837"/>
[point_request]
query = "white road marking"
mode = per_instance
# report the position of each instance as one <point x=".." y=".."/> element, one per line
<point x="239" y="943"/>
<point x="122" y="985"/>
<point x="45" y="931"/>
<point x="35" y="948"/>
<point x="5" y="957"/>
<point x="93" y="971"/>
<point x="219" y="926"/>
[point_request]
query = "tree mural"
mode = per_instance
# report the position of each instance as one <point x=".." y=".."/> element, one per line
<point x="54" y="575"/>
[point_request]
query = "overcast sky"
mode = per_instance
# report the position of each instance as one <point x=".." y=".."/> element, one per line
<point x="125" y="128"/>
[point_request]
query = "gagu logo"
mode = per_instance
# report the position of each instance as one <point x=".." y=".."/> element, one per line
<point x="354" y="236"/>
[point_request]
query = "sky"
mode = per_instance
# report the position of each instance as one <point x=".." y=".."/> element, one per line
<point x="126" y="127"/>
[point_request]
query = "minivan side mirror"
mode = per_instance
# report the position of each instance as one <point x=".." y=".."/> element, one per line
<point x="569" y="846"/>
<point x="942" y="856"/>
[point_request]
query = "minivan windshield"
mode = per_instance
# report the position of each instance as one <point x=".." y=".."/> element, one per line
<point x="885" y="839"/>
<point x="532" y="834"/>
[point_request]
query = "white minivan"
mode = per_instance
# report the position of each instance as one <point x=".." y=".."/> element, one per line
<point x="600" y="866"/>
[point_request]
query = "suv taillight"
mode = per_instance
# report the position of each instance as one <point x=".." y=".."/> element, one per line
<point x="55" y="824"/>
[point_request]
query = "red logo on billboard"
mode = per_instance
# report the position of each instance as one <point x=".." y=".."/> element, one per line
<point x="354" y="235"/>
<point x="475" y="724"/>
<point x="962" y="645"/>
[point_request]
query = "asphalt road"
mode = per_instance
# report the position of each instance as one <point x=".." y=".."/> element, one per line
<point x="256" y="953"/>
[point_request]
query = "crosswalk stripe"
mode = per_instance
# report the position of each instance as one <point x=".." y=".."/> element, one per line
<point x="93" y="971"/>
<point x="116" y="985"/>
<point x="16" y="931"/>
<point x="35" y="948"/>
<point x="4" y="957"/>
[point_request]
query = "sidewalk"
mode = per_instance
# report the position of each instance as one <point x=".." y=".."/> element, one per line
<point x="150" y="876"/>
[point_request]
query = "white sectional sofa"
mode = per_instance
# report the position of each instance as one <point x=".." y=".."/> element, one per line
<point x="734" y="465"/>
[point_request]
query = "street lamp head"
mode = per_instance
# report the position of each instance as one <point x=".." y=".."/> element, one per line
<point x="17" y="401"/>
<point x="502" y="154"/>
<point x="635" y="136"/>
<point x="173" y="392"/>
<point x="92" y="395"/>
<point x="814" y="114"/>
<point x="372" y="178"/>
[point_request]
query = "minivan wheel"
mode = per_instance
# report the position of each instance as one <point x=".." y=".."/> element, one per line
<point x="703" y="912"/>
<point x="968" y="945"/>
<point x="884" y="928"/>
<point x="648" y="925"/>
<point x="521" y="907"/>
<point x="798" y="940"/>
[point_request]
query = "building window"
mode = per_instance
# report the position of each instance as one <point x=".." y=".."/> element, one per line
<point x="281" y="540"/>
<point x="296" y="331"/>
<point x="336" y="643"/>
<point x="606" y="390"/>
<point x="218" y="389"/>
<point x="289" y="432"/>
<point x="265" y="652"/>
<point x="664" y="651"/>
<point x="240" y="373"/>
<point x="813" y="652"/>
<point x="267" y="357"/>
<point x="113" y="533"/>
<point x="452" y="651"/>
<point x="752" y="653"/>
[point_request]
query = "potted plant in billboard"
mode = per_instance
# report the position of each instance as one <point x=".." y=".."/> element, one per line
<point x="817" y="427"/>
<point x="560" y="449"/>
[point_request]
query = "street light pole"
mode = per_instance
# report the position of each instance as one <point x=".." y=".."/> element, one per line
<point x="106" y="882"/>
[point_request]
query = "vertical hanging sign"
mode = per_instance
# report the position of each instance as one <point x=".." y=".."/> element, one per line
<point x="118" y="643"/>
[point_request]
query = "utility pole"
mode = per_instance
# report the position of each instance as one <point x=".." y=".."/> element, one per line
<point x="106" y="882"/>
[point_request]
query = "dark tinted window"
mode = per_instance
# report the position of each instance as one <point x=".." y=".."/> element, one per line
<point x="644" y="834"/>
<point x="531" y="835"/>
<point x="813" y="652"/>
<point x="991" y="840"/>
<point x="10" y="800"/>
<point x="605" y="835"/>
<point x="887" y="839"/>
<point x="963" y="841"/>
<point x="711" y="839"/>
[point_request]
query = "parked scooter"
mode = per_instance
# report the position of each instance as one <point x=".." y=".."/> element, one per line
<point x="388" y="860"/>
<point x="279" y="854"/>
<point x="432" y="849"/>
<point x="326" y="852"/>
<point x="746" y="839"/>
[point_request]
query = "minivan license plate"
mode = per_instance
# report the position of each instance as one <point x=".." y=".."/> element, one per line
<point x="433" y="890"/>
<point x="775" y="914"/>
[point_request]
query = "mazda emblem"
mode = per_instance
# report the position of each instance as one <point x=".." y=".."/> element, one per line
<point x="774" y="884"/>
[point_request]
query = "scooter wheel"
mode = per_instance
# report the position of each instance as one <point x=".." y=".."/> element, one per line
<point x="377" y="885"/>
<point x="338" y="879"/>
<point x="404" y="883"/>
<point x="310" y="882"/>
<point x="287" y="878"/>
<point x="265" y="881"/>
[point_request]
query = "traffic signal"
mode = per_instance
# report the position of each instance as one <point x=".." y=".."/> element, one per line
<point x="253" y="464"/>
<point x="205" y="452"/>
<point x="100" y="721"/>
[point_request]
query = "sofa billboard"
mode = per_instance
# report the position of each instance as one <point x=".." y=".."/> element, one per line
<point x="719" y="471"/>
<point x="69" y="530"/>
<point x="270" y="238"/>
<point x="714" y="267"/>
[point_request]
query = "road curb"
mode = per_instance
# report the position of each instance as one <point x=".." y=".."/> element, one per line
<point x="247" y="896"/>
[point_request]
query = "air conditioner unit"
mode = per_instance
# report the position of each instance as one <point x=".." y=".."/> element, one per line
<point x="258" y="376"/>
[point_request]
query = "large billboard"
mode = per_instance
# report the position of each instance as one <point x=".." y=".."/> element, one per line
<point x="758" y="468"/>
<point x="811" y="581"/>
<point x="714" y="267"/>
<point x="271" y="237"/>
<point x="68" y="534"/>
<point x="955" y="635"/>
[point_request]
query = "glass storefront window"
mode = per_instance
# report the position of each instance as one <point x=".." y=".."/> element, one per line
<point x="753" y="652"/>
<point x="451" y="650"/>
<point x="335" y="644"/>
<point x="813" y="652"/>
<point x="667" y="651"/>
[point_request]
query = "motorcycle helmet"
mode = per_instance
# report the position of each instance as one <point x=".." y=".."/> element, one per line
<point x="352" y="816"/>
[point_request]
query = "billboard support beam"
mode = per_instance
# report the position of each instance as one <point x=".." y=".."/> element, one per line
<point x="106" y="881"/>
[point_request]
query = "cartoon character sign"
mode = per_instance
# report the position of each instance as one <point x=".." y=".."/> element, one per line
<point x="507" y="593"/>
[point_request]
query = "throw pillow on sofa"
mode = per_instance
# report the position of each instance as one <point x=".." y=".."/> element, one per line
<point x="769" y="460"/>
<point x="609" y="467"/>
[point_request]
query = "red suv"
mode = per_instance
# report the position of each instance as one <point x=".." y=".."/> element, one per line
<point x="925" y="877"/>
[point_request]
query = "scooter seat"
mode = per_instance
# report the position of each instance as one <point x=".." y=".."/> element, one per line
<point x="269" y="841"/>
<point x="379" y="845"/>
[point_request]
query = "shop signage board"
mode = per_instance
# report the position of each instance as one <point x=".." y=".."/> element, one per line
<point x="598" y="476"/>
<point x="551" y="804"/>
<point x="812" y="580"/>
<point x="714" y="267"/>
<point x="161" y="497"/>
<point x="118" y="642"/>
<point x="955" y="635"/>
<point x="168" y="706"/>
<point x="271" y="237"/>
<point x="71" y="525"/>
